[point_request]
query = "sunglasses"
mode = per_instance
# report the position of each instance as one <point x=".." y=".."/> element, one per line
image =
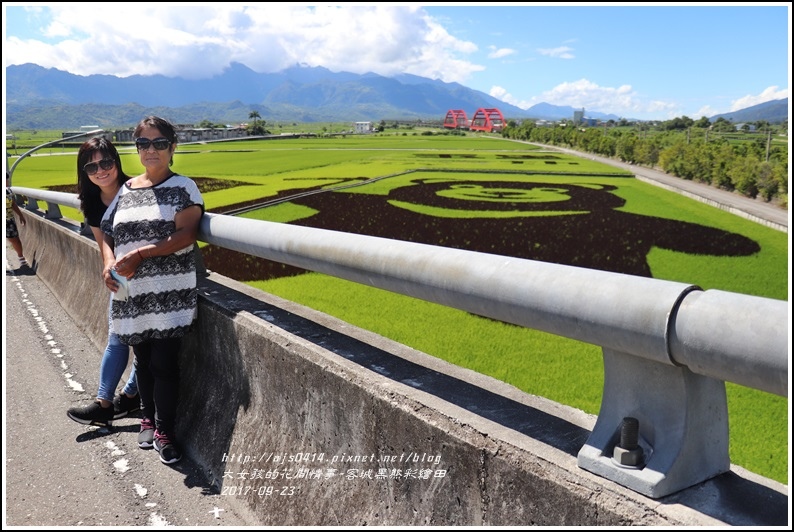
<point x="160" y="143"/>
<point x="104" y="164"/>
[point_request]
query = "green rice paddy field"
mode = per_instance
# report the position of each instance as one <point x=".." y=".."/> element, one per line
<point x="518" y="189"/>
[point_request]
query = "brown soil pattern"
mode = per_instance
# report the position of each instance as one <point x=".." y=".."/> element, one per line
<point x="594" y="235"/>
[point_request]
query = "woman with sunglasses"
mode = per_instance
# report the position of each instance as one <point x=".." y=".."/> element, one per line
<point x="99" y="178"/>
<point x="149" y="238"/>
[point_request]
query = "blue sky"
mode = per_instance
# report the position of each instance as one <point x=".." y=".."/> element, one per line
<point x="645" y="61"/>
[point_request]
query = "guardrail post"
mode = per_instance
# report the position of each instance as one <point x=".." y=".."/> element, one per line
<point x="682" y="429"/>
<point x="31" y="204"/>
<point x="53" y="211"/>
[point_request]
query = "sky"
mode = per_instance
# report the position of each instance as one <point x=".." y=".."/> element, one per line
<point x="651" y="61"/>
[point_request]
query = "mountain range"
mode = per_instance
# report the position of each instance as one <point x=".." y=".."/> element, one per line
<point x="774" y="111"/>
<point x="48" y="98"/>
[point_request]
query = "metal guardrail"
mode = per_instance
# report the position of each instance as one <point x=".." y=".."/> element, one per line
<point x="668" y="347"/>
<point x="10" y="171"/>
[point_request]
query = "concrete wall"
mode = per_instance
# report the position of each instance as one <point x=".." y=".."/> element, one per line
<point x="279" y="403"/>
<point x="70" y="266"/>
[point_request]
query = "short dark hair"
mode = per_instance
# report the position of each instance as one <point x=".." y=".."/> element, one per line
<point x="160" y="124"/>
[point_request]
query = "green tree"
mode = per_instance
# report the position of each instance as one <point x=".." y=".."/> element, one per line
<point x="703" y="123"/>
<point x="624" y="148"/>
<point x="606" y="146"/>
<point x="723" y="160"/>
<point x="680" y="123"/>
<point x="761" y="125"/>
<point x="723" y="126"/>
<point x="699" y="162"/>
<point x="768" y="180"/>
<point x="744" y="174"/>
<point x="255" y="115"/>
<point x="672" y="158"/>
<point x="646" y="152"/>
<point x="258" y="128"/>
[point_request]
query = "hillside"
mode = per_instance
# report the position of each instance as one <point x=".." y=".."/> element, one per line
<point x="774" y="112"/>
<point x="39" y="98"/>
<point x="42" y="98"/>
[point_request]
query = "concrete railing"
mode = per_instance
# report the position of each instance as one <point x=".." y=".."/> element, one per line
<point x="668" y="347"/>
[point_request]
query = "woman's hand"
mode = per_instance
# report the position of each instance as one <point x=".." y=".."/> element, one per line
<point x="127" y="264"/>
<point x="110" y="282"/>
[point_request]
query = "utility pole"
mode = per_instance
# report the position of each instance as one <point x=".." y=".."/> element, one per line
<point x="768" y="142"/>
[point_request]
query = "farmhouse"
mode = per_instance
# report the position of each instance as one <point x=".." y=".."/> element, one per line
<point x="362" y="127"/>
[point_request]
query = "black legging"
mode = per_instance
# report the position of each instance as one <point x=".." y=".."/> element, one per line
<point x="157" y="366"/>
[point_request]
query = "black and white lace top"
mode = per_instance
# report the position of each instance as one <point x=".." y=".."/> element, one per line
<point x="162" y="294"/>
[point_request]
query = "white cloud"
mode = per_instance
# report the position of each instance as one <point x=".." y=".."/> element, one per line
<point x="769" y="94"/>
<point x="563" y="52"/>
<point x="500" y="93"/>
<point x="498" y="53"/>
<point x="584" y="93"/>
<point x="199" y="41"/>
<point x="706" y="110"/>
<point x="659" y="110"/>
<point x="622" y="101"/>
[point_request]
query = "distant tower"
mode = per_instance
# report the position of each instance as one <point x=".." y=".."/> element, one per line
<point x="578" y="116"/>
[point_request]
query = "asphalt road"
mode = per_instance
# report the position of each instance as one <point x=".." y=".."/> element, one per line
<point x="61" y="473"/>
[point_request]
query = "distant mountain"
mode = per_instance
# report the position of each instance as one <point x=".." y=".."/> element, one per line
<point x="547" y="111"/>
<point x="774" y="112"/>
<point x="40" y="98"/>
<point x="48" y="98"/>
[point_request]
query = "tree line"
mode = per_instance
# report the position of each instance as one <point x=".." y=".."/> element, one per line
<point x="691" y="150"/>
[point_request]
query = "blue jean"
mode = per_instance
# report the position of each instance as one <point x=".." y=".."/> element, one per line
<point x="114" y="362"/>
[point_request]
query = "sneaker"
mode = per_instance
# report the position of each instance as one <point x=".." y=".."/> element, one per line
<point x="146" y="435"/>
<point x="163" y="444"/>
<point x="124" y="406"/>
<point x="92" y="414"/>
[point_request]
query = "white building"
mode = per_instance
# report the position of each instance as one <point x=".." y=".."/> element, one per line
<point x="362" y="127"/>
